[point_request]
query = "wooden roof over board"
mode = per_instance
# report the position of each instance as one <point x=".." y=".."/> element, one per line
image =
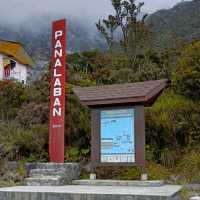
<point x="119" y="94"/>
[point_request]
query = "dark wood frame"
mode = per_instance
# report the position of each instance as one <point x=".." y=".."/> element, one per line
<point x="139" y="125"/>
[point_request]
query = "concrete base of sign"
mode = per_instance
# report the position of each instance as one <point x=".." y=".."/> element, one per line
<point x="52" y="174"/>
<point x="84" y="192"/>
<point x="118" y="183"/>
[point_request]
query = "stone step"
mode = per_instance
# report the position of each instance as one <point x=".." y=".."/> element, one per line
<point x="195" y="198"/>
<point x="57" y="166"/>
<point x="193" y="187"/>
<point x="71" y="169"/>
<point x="37" y="173"/>
<point x="45" y="181"/>
<point x="53" y="174"/>
<point x="97" y="182"/>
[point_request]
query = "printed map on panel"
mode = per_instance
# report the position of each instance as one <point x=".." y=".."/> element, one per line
<point x="117" y="135"/>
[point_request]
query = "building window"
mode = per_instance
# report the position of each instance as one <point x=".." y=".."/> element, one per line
<point x="12" y="64"/>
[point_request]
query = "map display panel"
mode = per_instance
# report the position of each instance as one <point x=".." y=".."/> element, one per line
<point x="117" y="136"/>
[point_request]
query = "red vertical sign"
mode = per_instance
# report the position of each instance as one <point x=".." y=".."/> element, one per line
<point x="57" y="93"/>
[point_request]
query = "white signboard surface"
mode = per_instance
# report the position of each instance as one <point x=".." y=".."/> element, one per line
<point x="117" y="136"/>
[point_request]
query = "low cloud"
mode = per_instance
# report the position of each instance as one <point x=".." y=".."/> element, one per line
<point x="15" y="11"/>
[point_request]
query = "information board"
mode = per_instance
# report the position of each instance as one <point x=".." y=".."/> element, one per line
<point x="117" y="136"/>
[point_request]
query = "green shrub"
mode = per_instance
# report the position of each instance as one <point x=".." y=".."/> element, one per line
<point x="72" y="154"/>
<point x="189" y="167"/>
<point x="131" y="173"/>
<point x="11" y="177"/>
<point x="154" y="171"/>
<point x="157" y="172"/>
<point x="172" y="124"/>
<point x="119" y="173"/>
<point x="21" y="143"/>
<point x="12" y="96"/>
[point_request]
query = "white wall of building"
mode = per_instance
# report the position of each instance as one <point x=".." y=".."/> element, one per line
<point x="19" y="72"/>
<point x="1" y="66"/>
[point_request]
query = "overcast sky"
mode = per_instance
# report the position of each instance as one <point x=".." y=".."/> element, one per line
<point x="20" y="10"/>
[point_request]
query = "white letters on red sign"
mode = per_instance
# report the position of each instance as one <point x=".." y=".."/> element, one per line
<point x="57" y="91"/>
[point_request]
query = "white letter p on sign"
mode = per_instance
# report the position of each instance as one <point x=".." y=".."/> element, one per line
<point x="58" y="34"/>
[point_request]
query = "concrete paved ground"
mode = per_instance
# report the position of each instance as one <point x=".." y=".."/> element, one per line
<point x="163" y="191"/>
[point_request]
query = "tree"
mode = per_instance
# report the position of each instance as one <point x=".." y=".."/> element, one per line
<point x="127" y="19"/>
<point x="107" y="28"/>
<point x="187" y="77"/>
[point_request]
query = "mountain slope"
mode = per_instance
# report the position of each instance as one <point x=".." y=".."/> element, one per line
<point x="35" y="35"/>
<point x="183" y="20"/>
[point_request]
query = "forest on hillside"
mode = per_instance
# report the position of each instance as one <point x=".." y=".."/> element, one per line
<point x="172" y="124"/>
